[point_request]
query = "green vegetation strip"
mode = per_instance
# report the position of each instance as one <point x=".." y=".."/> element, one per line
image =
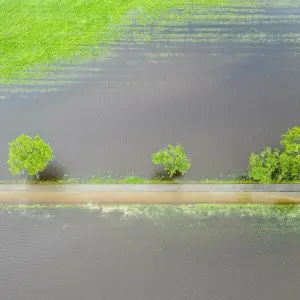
<point x="204" y="210"/>
<point x="35" y="35"/>
<point x="267" y="218"/>
<point x="280" y="218"/>
<point x="139" y="180"/>
<point x="277" y="211"/>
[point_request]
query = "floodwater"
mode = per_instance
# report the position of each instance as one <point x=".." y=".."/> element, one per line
<point x="75" y="254"/>
<point x="222" y="87"/>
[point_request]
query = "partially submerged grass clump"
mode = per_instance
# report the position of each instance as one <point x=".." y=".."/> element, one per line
<point x="278" y="211"/>
<point x="267" y="217"/>
<point x="280" y="218"/>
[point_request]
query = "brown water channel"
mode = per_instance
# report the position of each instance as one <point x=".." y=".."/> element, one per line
<point x="75" y="254"/>
<point x="221" y="87"/>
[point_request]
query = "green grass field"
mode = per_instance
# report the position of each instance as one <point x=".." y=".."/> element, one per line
<point x="35" y="35"/>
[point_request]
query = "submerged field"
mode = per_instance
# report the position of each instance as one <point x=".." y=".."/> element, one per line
<point x="149" y="252"/>
<point x="220" y="78"/>
<point x="36" y="35"/>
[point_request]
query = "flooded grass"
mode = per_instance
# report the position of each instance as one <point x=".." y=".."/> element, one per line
<point x="282" y="218"/>
<point x="35" y="39"/>
<point x="154" y="211"/>
<point x="278" y="212"/>
<point x="35" y="36"/>
<point x="279" y="217"/>
<point x="240" y="36"/>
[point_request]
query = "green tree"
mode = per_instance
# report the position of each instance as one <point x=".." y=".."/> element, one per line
<point x="28" y="154"/>
<point x="174" y="160"/>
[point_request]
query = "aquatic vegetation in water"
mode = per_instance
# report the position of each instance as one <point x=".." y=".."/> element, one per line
<point x="276" y="218"/>
<point x="280" y="218"/>
<point x="279" y="212"/>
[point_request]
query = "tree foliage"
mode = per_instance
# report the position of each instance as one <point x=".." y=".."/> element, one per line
<point x="264" y="166"/>
<point x="272" y="165"/>
<point x="28" y="154"/>
<point x="174" y="160"/>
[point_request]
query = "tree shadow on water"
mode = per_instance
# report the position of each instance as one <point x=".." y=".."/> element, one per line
<point x="161" y="174"/>
<point x="53" y="173"/>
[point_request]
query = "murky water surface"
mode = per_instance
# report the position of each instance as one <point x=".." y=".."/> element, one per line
<point x="222" y="82"/>
<point x="76" y="254"/>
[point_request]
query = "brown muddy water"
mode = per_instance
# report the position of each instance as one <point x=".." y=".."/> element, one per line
<point x="222" y="87"/>
<point x="75" y="254"/>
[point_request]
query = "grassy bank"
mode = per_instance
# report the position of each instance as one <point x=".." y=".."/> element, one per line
<point x="35" y="35"/>
<point x="126" y="180"/>
<point x="139" y="180"/>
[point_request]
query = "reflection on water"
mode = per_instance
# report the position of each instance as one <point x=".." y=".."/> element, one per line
<point x="222" y="82"/>
<point x="74" y="254"/>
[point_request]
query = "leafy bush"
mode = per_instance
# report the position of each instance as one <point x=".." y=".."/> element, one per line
<point x="290" y="157"/>
<point x="291" y="141"/>
<point x="273" y="165"/>
<point x="27" y="153"/>
<point x="264" y="167"/>
<point x="174" y="160"/>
